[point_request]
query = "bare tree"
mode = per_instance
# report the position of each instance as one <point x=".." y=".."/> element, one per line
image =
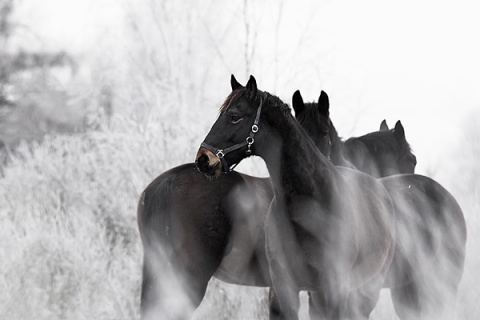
<point x="6" y="7"/>
<point x="250" y="37"/>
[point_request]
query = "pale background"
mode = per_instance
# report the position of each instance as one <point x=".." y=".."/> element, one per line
<point x="151" y="75"/>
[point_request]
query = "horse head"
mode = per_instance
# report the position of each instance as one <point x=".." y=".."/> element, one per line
<point x="315" y="119"/>
<point x="232" y="137"/>
<point x="382" y="153"/>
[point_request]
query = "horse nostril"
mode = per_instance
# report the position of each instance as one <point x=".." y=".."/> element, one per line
<point x="202" y="162"/>
<point x="204" y="159"/>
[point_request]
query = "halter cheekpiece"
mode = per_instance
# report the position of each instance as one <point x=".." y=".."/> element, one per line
<point x="220" y="153"/>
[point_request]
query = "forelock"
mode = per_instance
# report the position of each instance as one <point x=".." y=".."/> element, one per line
<point x="233" y="96"/>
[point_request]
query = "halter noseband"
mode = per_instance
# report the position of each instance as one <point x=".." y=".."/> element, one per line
<point x="220" y="153"/>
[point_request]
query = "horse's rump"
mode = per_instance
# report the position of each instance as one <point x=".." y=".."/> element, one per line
<point x="431" y="228"/>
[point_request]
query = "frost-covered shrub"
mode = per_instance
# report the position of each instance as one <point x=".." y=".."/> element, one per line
<point x="70" y="247"/>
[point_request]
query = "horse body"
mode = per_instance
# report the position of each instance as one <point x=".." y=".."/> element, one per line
<point x="193" y="228"/>
<point x="430" y="253"/>
<point x="338" y="249"/>
<point x="430" y="226"/>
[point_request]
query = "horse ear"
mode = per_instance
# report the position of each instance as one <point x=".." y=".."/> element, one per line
<point x="252" y="88"/>
<point x="399" y="132"/>
<point x="384" y="126"/>
<point x="234" y="83"/>
<point x="324" y="104"/>
<point x="297" y="103"/>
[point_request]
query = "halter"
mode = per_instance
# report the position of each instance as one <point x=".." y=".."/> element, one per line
<point x="220" y="153"/>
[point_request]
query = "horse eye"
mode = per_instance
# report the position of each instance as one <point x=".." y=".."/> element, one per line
<point x="235" y="119"/>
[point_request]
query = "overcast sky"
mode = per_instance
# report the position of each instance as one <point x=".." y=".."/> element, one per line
<point x="417" y="61"/>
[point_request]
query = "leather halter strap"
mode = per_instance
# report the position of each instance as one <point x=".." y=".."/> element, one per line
<point x="220" y="153"/>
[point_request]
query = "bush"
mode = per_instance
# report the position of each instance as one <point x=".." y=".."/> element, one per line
<point x="70" y="244"/>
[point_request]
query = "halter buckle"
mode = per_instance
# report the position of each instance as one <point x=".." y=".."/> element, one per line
<point x="250" y="141"/>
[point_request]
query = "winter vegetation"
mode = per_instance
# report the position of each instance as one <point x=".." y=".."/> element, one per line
<point x="83" y="133"/>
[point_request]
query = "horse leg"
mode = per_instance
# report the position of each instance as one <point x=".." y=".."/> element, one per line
<point x="284" y="296"/>
<point x="284" y="303"/>
<point x="174" y="282"/>
<point x="328" y="306"/>
<point x="362" y="301"/>
<point x="274" y="303"/>
<point x="432" y="297"/>
<point x="313" y="311"/>
<point x="162" y="287"/>
<point x="151" y="293"/>
<point x="171" y="293"/>
<point x="316" y="306"/>
<point x="406" y="301"/>
<point x="438" y="298"/>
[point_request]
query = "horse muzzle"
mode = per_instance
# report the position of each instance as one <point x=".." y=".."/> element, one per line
<point x="208" y="163"/>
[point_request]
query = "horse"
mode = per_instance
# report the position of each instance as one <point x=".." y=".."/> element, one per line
<point x="193" y="228"/>
<point x="328" y="230"/>
<point x="430" y="227"/>
<point x="380" y="154"/>
<point x="375" y="152"/>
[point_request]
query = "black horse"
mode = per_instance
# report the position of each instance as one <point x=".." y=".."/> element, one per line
<point x="328" y="230"/>
<point x="193" y="228"/>
<point x="430" y="227"/>
<point x="380" y="154"/>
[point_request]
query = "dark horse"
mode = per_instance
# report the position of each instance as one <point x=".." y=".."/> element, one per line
<point x="193" y="228"/>
<point x="380" y="154"/>
<point x="328" y="230"/>
<point x="430" y="227"/>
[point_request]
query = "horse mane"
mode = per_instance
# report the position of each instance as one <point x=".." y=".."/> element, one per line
<point x="269" y="99"/>
<point x="337" y="148"/>
<point x="276" y="102"/>
<point x="334" y="137"/>
<point x="234" y="95"/>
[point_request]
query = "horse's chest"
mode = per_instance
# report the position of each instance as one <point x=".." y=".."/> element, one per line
<point x="300" y="227"/>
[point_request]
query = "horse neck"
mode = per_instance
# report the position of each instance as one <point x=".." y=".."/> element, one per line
<point x="295" y="164"/>
<point x="337" y="155"/>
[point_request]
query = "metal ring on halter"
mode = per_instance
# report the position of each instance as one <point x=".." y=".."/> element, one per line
<point x="220" y="154"/>
<point x="249" y="141"/>
<point x="254" y="128"/>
